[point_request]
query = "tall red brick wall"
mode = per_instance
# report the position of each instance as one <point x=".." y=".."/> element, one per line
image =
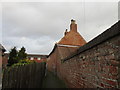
<point x="51" y="61"/>
<point x="63" y="52"/>
<point x="4" y="61"/>
<point x="54" y="60"/>
<point x="94" y="65"/>
<point x="0" y="60"/>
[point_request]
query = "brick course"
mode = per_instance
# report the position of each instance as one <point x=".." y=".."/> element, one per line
<point x="96" y="67"/>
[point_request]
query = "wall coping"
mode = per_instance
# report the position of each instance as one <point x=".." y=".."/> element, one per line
<point x="113" y="31"/>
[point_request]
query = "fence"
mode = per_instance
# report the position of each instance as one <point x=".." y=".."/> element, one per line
<point x="27" y="76"/>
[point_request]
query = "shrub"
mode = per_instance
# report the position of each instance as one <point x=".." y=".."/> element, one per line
<point x="23" y="62"/>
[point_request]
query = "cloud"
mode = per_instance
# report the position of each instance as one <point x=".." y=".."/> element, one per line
<point x="41" y="45"/>
<point x="38" y="25"/>
<point x="59" y="0"/>
<point x="0" y="23"/>
<point x="23" y="18"/>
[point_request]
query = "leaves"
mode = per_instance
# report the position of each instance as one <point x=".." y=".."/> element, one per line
<point x="13" y="57"/>
<point x="22" y="55"/>
<point x="18" y="58"/>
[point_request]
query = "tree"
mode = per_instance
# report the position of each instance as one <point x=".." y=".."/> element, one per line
<point x="21" y="54"/>
<point x="13" y="57"/>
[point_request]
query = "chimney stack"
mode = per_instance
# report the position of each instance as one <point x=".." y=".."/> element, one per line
<point x="65" y="32"/>
<point x="73" y="26"/>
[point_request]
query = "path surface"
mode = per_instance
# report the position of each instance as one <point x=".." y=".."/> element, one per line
<point x="52" y="81"/>
<point x="0" y="86"/>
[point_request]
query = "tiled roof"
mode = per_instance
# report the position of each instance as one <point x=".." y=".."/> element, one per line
<point x="36" y="55"/>
<point x="71" y="41"/>
<point x="72" y="38"/>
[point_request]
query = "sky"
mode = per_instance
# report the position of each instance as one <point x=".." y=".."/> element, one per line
<point x="39" y="25"/>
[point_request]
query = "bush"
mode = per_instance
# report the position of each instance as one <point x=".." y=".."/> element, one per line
<point x="26" y="61"/>
<point x="23" y="62"/>
<point x="15" y="56"/>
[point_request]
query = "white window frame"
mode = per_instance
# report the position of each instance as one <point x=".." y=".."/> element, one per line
<point x="31" y="58"/>
<point x="39" y="58"/>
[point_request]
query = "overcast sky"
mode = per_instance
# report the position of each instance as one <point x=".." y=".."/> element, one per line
<point x="38" y="25"/>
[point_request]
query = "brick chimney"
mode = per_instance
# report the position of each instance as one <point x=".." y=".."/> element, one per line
<point x="73" y="26"/>
<point x="65" y="32"/>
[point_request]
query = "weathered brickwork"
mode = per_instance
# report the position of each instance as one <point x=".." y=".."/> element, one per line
<point x="52" y="63"/>
<point x="94" y="65"/>
<point x="59" y="52"/>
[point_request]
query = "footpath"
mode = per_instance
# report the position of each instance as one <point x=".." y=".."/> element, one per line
<point x="52" y="81"/>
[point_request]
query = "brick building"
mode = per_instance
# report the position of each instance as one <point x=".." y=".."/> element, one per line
<point x="72" y="37"/>
<point x="71" y="41"/>
<point x="36" y="57"/>
<point x="95" y="64"/>
<point x="2" y="56"/>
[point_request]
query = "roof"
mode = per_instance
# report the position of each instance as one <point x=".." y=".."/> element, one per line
<point x="36" y="55"/>
<point x="72" y="38"/>
<point x="111" y="32"/>
<point x="2" y="48"/>
<point x="31" y="55"/>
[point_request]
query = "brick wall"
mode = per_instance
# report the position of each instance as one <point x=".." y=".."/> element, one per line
<point x="4" y="61"/>
<point x="94" y="65"/>
<point x="59" y="52"/>
<point x="51" y="61"/>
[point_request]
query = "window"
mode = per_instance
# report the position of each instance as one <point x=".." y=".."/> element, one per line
<point x="31" y="58"/>
<point x="39" y="58"/>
